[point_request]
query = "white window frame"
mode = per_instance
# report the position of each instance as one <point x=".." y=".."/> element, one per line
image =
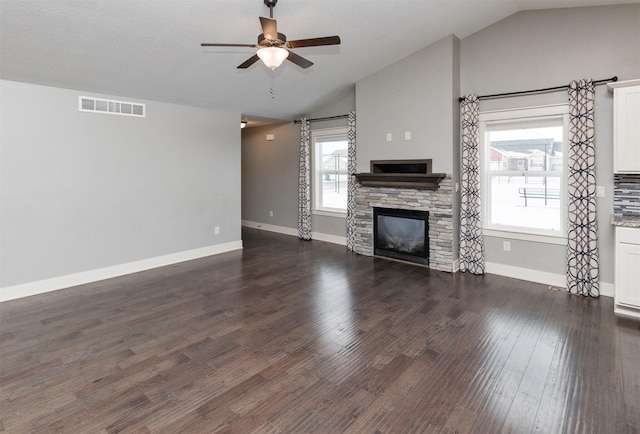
<point x="316" y="174"/>
<point x="519" y="116"/>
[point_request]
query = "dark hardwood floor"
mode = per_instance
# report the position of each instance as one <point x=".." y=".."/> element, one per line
<point x="296" y="337"/>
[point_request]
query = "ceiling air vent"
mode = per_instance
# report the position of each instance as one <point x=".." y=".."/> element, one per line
<point x="107" y="106"/>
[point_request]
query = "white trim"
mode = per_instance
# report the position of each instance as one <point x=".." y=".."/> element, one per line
<point x="619" y="84"/>
<point x="334" y="214"/>
<point x="335" y="239"/>
<point x="318" y="236"/>
<point x="332" y="131"/>
<point x="622" y="310"/>
<point x="41" y="286"/>
<point x="270" y="228"/>
<point x="537" y="276"/>
<point x="540" y="111"/>
<point x="607" y="289"/>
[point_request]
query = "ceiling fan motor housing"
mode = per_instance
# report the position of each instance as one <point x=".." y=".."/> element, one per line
<point x="270" y="3"/>
<point x="264" y="42"/>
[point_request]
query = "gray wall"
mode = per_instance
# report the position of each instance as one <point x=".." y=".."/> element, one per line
<point x="417" y="94"/>
<point x="270" y="170"/>
<point x="270" y="174"/>
<point x="82" y="191"/>
<point x="543" y="48"/>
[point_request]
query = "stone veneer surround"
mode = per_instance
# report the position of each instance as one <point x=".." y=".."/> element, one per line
<point x="438" y="202"/>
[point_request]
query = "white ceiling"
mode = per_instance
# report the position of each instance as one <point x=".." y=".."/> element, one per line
<point x="151" y="49"/>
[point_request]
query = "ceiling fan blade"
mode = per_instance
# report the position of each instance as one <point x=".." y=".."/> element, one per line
<point x="269" y="28"/>
<point x="250" y="61"/>
<point x="207" y="44"/>
<point x="299" y="60"/>
<point x="314" y="42"/>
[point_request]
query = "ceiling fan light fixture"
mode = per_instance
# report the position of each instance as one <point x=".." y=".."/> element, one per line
<point x="273" y="56"/>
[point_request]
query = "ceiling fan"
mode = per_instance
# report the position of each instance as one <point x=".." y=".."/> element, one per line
<point x="273" y="47"/>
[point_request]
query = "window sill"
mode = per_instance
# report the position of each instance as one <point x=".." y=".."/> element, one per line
<point x="338" y="214"/>
<point x="536" y="238"/>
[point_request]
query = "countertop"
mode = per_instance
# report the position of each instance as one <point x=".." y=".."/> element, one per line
<point x="625" y="221"/>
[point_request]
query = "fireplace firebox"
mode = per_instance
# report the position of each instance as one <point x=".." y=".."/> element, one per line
<point x="401" y="234"/>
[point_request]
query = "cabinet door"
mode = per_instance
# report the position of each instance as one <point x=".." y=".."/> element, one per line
<point x="627" y="274"/>
<point x="626" y="130"/>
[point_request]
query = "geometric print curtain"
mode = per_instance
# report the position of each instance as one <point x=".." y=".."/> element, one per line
<point x="351" y="182"/>
<point x="304" y="183"/>
<point x="471" y="241"/>
<point x="582" y="231"/>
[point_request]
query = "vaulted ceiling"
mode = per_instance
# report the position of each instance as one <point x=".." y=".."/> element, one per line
<point x="151" y="49"/>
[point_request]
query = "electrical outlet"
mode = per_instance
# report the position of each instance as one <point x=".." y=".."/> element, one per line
<point x="506" y="246"/>
<point x="216" y="230"/>
<point x="389" y="137"/>
<point x="271" y="213"/>
<point x="407" y="135"/>
<point x="600" y="190"/>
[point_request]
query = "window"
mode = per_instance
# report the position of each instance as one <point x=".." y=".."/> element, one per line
<point x="329" y="170"/>
<point x="523" y="160"/>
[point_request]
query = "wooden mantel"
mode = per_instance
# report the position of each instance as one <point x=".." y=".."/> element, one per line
<point x="426" y="181"/>
<point x="401" y="174"/>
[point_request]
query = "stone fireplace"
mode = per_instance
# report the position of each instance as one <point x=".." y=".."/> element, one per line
<point x="436" y="200"/>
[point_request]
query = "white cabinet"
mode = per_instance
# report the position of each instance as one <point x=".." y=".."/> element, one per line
<point x="626" y="126"/>
<point x="627" y="271"/>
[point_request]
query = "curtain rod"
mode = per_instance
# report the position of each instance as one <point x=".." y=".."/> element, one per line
<point x="547" y="89"/>
<point x="323" y="119"/>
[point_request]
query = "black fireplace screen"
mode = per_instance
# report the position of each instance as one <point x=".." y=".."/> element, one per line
<point x="401" y="234"/>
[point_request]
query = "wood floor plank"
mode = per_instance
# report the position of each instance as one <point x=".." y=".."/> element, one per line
<point x="630" y="355"/>
<point x="288" y="336"/>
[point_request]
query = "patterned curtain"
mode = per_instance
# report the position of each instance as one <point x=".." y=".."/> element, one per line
<point x="582" y="246"/>
<point x="351" y="186"/>
<point x="304" y="183"/>
<point x="471" y="242"/>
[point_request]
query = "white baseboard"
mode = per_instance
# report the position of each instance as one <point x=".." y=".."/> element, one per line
<point x="537" y="276"/>
<point x="41" y="286"/>
<point x="270" y="228"/>
<point x="335" y="239"/>
<point x="607" y="289"/>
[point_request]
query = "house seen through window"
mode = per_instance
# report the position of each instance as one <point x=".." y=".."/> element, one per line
<point x="329" y="170"/>
<point x="523" y="170"/>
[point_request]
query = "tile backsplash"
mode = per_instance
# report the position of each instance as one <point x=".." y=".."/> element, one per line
<point x="626" y="195"/>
